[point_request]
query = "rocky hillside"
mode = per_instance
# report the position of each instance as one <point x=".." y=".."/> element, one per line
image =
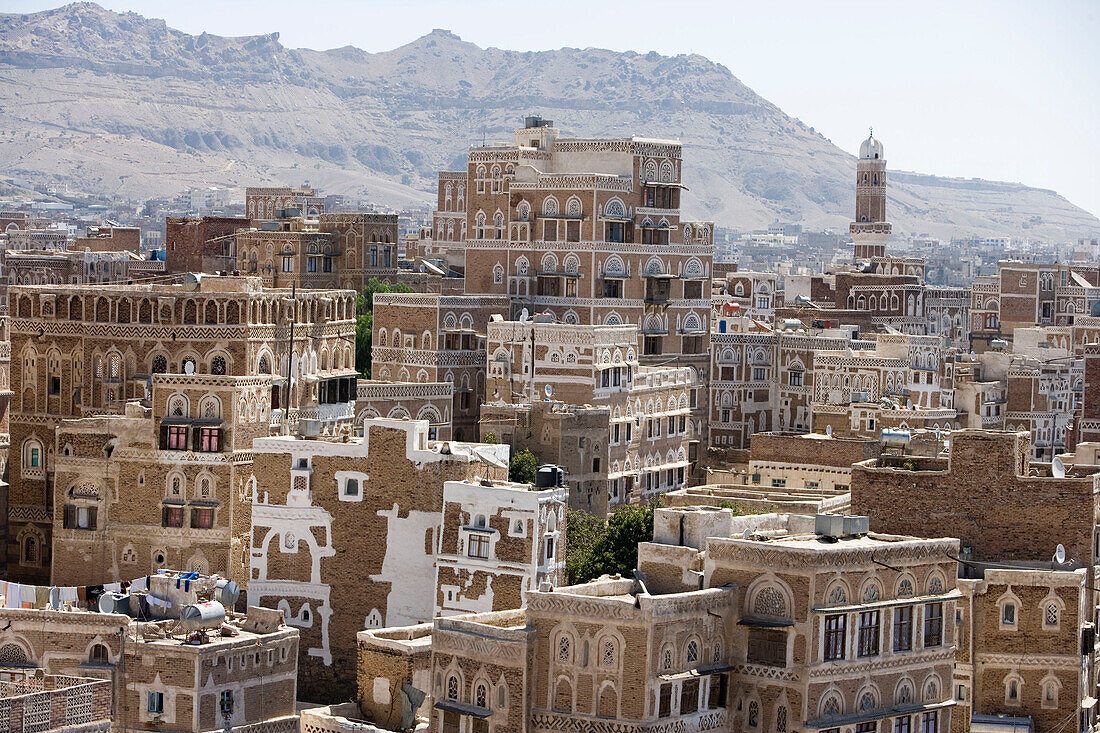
<point x="124" y="105"/>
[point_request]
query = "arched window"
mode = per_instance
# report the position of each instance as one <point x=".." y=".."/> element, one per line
<point x="217" y="365"/>
<point x="481" y="696"/>
<point x="452" y="688"/>
<point x="692" y="651"/>
<point x="30" y="551"/>
<point x="565" y="648"/>
<point x="98" y="655"/>
<point x="754" y="714"/>
<point x="781" y="719"/>
<point x="608" y="653"/>
<point x="770" y="602"/>
<point x="265" y="365"/>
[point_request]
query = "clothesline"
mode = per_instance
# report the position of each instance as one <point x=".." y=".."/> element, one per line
<point x="22" y="595"/>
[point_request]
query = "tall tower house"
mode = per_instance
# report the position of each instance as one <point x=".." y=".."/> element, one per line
<point x="870" y="230"/>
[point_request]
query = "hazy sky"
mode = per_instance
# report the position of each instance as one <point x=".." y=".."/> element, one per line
<point x="1005" y="89"/>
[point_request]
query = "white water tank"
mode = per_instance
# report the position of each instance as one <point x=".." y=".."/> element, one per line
<point x="198" y="616"/>
<point x="227" y="592"/>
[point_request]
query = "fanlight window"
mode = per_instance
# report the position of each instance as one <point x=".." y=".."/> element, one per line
<point x="770" y="602"/>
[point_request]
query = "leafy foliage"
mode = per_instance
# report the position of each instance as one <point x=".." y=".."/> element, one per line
<point x="364" y="320"/>
<point x="522" y="467"/>
<point x="596" y="547"/>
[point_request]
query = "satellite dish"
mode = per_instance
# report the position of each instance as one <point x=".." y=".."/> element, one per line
<point x="549" y="390"/>
<point x="1059" y="554"/>
<point x="829" y="430"/>
<point x="1058" y="469"/>
<point x="747" y="535"/>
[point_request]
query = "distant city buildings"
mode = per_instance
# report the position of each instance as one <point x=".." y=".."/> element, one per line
<point x="241" y="473"/>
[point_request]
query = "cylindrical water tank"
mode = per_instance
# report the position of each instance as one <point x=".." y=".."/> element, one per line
<point x="112" y="602"/>
<point x="227" y="592"/>
<point x="198" y="616"/>
<point x="894" y="438"/>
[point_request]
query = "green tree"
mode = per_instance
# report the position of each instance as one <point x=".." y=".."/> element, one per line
<point x="522" y="467"/>
<point x="363" y="338"/>
<point x="365" y="301"/>
<point x="490" y="438"/>
<point x="595" y="547"/>
<point x="364" y="321"/>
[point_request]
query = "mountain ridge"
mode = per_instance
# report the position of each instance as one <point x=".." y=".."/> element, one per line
<point x="126" y="105"/>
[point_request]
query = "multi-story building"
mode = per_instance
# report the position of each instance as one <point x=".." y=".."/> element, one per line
<point x="765" y="379"/>
<point x="836" y="628"/>
<point x="805" y="630"/>
<point x="590" y="231"/>
<point x="1028" y="553"/>
<point x="201" y="245"/>
<point x="429" y="401"/>
<point x="448" y="232"/>
<point x="498" y="541"/>
<point x="426" y="338"/>
<point x="638" y="440"/>
<point x="151" y="676"/>
<point x="330" y="251"/>
<point x="1089" y="423"/>
<point x="207" y="363"/>
<point x="754" y="293"/>
<point x="266" y="203"/>
<point x="1041" y="400"/>
<point x="108" y="238"/>
<point x="345" y="536"/>
<point x="25" y="267"/>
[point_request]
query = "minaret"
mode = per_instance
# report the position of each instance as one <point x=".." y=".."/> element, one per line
<point x="870" y="230"/>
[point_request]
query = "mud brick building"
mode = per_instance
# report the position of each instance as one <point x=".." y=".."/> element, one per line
<point x="1027" y="621"/>
<point x="201" y="245"/>
<point x="266" y="203"/>
<point x="429" y="401"/>
<point x="344" y="535"/>
<point x="498" y="542"/>
<point x="330" y="251"/>
<point x="40" y="268"/>
<point x="790" y="630"/>
<point x="51" y="703"/>
<point x="447" y="235"/>
<point x="1089" y="421"/>
<point x="763" y="379"/>
<point x="108" y="238"/>
<point x="590" y="231"/>
<point x="1000" y="504"/>
<point x="622" y="431"/>
<point x="150" y="680"/>
<point x="207" y="363"/>
<point x="425" y="338"/>
<point x="582" y="656"/>
<point x="826" y="637"/>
